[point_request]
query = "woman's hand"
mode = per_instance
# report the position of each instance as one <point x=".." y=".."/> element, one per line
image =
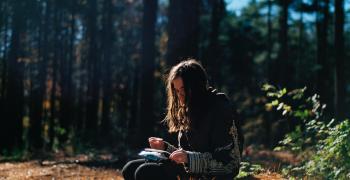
<point x="179" y="156"/>
<point x="156" y="143"/>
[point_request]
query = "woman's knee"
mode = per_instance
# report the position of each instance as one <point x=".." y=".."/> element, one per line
<point x="149" y="171"/>
<point x="129" y="168"/>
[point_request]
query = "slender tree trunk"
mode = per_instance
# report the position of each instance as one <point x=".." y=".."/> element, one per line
<point x="340" y="92"/>
<point x="93" y="72"/>
<point x="37" y="95"/>
<point x="183" y="30"/>
<point x="135" y="105"/>
<point x="283" y="64"/>
<point x="323" y="80"/>
<point x="107" y="46"/>
<point x="147" y="72"/>
<point x="3" y="23"/>
<point x="14" y="99"/>
<point x="267" y="122"/>
<point x="5" y="55"/>
<point x="300" y="48"/>
<point x="213" y="60"/>
<point x="55" y="66"/>
<point x="67" y="99"/>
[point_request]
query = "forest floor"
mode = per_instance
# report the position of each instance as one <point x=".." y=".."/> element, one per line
<point x="107" y="166"/>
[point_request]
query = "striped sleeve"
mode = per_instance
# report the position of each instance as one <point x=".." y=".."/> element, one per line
<point x="224" y="156"/>
<point x="207" y="163"/>
<point x="169" y="147"/>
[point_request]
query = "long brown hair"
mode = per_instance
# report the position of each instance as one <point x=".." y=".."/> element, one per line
<point x="195" y="81"/>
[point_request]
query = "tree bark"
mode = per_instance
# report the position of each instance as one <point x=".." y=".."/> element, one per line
<point x="213" y="59"/>
<point x="323" y="77"/>
<point x="11" y="133"/>
<point x="340" y="92"/>
<point x="183" y="30"/>
<point x="107" y="46"/>
<point x="93" y="72"/>
<point x="284" y="67"/>
<point x="66" y="84"/>
<point x="147" y="121"/>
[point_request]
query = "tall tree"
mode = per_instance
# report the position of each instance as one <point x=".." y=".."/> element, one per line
<point x="183" y="30"/>
<point x="340" y="92"/>
<point x="300" y="44"/>
<point x="107" y="46"/>
<point x="66" y="84"/>
<point x="147" y="120"/>
<point x="323" y="80"/>
<point x="93" y="70"/>
<point x="5" y="38"/>
<point x="213" y="59"/>
<point x="14" y="97"/>
<point x="55" y="65"/>
<point x="38" y="93"/>
<point x="267" y="122"/>
<point x="283" y="64"/>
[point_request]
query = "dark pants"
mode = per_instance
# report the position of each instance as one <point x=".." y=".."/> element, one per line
<point x="141" y="169"/>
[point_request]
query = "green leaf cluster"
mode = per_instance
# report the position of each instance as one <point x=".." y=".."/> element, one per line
<point x="324" y="146"/>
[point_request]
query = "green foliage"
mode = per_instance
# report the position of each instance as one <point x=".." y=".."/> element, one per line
<point x="247" y="169"/>
<point x="332" y="158"/>
<point x="305" y="111"/>
<point x="324" y="147"/>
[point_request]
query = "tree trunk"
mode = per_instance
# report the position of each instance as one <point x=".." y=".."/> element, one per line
<point x="107" y="46"/>
<point x="67" y="99"/>
<point x="37" y="95"/>
<point x="5" y="56"/>
<point x="55" y="66"/>
<point x="213" y="60"/>
<point x="340" y="92"/>
<point x="323" y="77"/>
<point x="299" y="81"/>
<point x="93" y="72"/>
<point x="147" y="122"/>
<point x="135" y="105"/>
<point x="283" y="64"/>
<point x="12" y="128"/>
<point x="267" y="122"/>
<point x="183" y="30"/>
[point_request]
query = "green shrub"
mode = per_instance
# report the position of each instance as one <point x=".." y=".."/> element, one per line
<point x="324" y="146"/>
<point x="248" y="169"/>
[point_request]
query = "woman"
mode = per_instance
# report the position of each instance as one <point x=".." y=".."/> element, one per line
<point x="207" y="136"/>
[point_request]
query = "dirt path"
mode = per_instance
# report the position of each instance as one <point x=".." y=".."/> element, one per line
<point x="104" y="166"/>
<point x="53" y="170"/>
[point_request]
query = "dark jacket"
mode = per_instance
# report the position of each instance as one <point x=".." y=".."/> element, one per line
<point x="213" y="149"/>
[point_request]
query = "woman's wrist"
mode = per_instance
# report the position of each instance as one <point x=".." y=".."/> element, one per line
<point x="165" y="146"/>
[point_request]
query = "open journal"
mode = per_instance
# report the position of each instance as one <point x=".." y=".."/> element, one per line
<point x="154" y="154"/>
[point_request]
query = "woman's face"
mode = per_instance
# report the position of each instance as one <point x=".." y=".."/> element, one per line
<point x="180" y="90"/>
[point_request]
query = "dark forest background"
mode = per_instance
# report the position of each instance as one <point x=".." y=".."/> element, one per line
<point x="89" y="73"/>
